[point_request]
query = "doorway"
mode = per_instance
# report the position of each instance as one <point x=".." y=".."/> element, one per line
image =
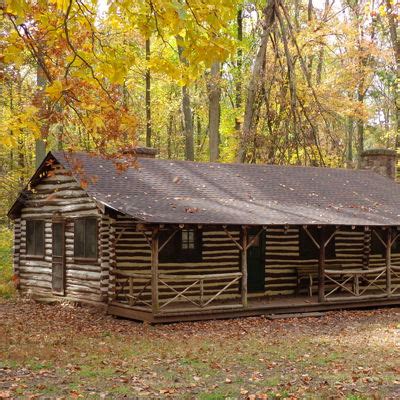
<point x="58" y="258"/>
<point x="256" y="262"/>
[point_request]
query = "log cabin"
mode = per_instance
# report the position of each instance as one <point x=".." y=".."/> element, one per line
<point x="177" y="240"/>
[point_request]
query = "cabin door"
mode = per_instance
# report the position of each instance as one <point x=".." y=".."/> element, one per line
<point x="256" y="262"/>
<point x="58" y="261"/>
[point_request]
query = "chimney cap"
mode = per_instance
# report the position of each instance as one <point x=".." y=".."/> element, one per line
<point x="382" y="161"/>
<point x="379" y="152"/>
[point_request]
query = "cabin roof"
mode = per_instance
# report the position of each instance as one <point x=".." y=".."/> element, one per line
<point x="166" y="191"/>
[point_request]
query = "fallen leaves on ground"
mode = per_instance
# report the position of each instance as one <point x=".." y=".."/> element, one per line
<point x="78" y="352"/>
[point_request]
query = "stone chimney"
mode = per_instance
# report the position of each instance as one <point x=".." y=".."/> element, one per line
<point x="382" y="161"/>
<point x="141" y="152"/>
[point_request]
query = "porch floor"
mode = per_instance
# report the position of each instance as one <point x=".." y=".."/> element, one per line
<point x="256" y="306"/>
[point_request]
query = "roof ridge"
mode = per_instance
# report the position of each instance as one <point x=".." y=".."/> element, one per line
<point x="218" y="164"/>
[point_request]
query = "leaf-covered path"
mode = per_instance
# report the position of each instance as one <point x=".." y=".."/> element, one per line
<point x="60" y="351"/>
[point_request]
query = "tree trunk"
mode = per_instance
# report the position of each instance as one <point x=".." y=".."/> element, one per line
<point x="148" y="96"/>
<point x="198" y="130"/>
<point x="40" y="144"/>
<point x="321" y="50"/>
<point x="187" y="114"/>
<point x="239" y="61"/>
<point x="255" y="79"/>
<point x="169" y="136"/>
<point x="360" y="130"/>
<point x="310" y="17"/>
<point x="349" y="144"/>
<point x="188" y="124"/>
<point x="394" y="38"/>
<point x="11" y="97"/>
<point x="214" y="111"/>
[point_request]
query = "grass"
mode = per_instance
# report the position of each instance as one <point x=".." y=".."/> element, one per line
<point x="78" y="353"/>
<point x="6" y="284"/>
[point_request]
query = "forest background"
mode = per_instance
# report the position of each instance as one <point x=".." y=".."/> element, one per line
<point x="302" y="82"/>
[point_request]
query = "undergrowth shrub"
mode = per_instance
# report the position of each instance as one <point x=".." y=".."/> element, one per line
<point x="6" y="272"/>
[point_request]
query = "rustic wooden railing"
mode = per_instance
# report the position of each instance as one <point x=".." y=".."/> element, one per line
<point x="356" y="282"/>
<point x="193" y="281"/>
<point x="142" y="279"/>
<point x="128" y="281"/>
<point x="395" y="274"/>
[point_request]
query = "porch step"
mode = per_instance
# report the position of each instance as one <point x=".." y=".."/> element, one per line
<point x="295" y="315"/>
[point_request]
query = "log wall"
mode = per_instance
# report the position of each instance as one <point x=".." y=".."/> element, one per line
<point x="282" y="256"/>
<point x="220" y="254"/>
<point x="60" y="193"/>
<point x="17" y="245"/>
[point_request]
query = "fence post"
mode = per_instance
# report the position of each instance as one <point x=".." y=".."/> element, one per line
<point x="321" y="266"/>
<point x="244" y="266"/>
<point x="154" y="269"/>
<point x="388" y="262"/>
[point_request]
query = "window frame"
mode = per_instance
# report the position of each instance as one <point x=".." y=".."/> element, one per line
<point x="35" y="255"/>
<point x="83" y="259"/>
<point x="174" y="250"/>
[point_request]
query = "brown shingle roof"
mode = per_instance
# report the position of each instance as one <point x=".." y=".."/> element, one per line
<point x="164" y="191"/>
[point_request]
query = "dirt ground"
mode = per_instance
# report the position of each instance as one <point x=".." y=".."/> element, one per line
<point x="59" y="351"/>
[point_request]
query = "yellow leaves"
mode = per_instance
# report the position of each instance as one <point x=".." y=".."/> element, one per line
<point x="17" y="123"/>
<point x="119" y="72"/>
<point x="55" y="90"/>
<point x="382" y="10"/>
<point x="97" y="122"/>
<point x="16" y="7"/>
<point x="61" y="5"/>
<point x="164" y="66"/>
<point x="13" y="54"/>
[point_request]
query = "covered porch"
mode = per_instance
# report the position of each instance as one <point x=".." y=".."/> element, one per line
<point x="154" y="295"/>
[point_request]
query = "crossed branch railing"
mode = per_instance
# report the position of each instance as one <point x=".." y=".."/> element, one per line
<point x="349" y="281"/>
<point x="131" y="288"/>
<point x="395" y="272"/>
<point x="125" y="287"/>
<point x="194" y="281"/>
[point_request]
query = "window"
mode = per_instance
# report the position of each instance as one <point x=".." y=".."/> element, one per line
<point x="58" y="239"/>
<point x="185" y="245"/>
<point x="85" y="238"/>
<point x="307" y="248"/>
<point x="188" y="242"/>
<point x="35" y="238"/>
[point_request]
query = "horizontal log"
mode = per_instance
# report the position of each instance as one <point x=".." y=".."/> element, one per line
<point x="353" y="271"/>
<point x="355" y="298"/>
<point x="183" y="277"/>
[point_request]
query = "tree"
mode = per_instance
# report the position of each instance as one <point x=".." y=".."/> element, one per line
<point x="214" y="113"/>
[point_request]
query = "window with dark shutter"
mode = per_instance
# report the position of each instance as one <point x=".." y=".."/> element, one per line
<point x="85" y="238"/>
<point x="35" y="237"/>
<point x="185" y="246"/>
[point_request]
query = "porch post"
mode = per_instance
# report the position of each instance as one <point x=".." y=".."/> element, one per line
<point x="154" y="269"/>
<point x="244" y="266"/>
<point x="388" y="261"/>
<point x="321" y="266"/>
